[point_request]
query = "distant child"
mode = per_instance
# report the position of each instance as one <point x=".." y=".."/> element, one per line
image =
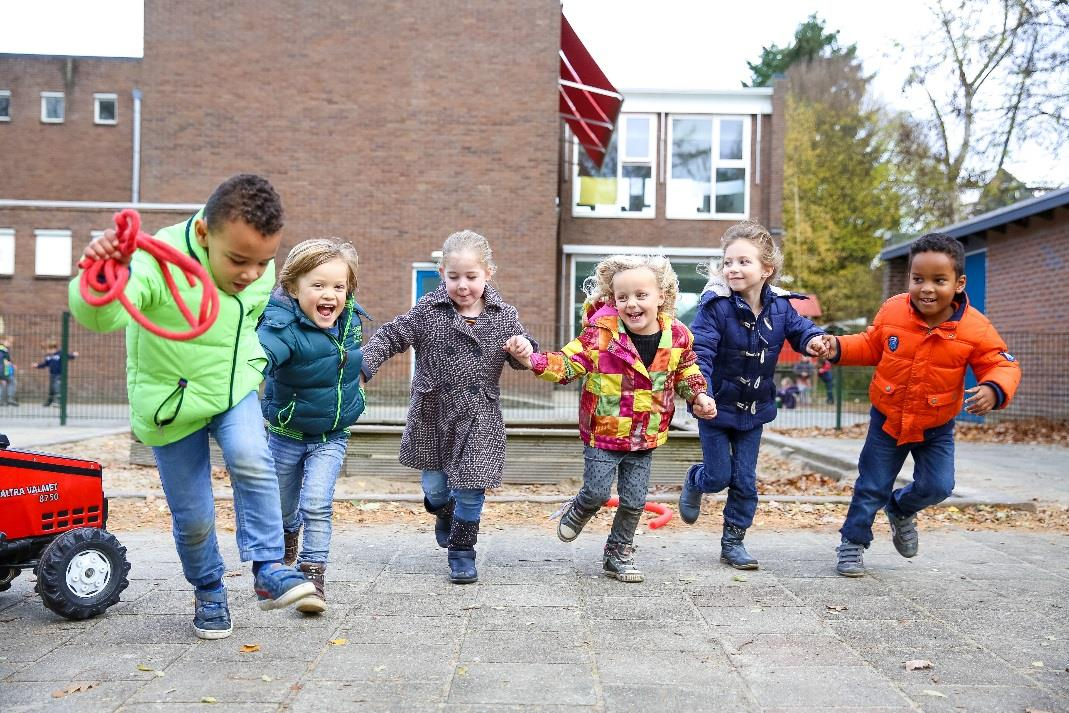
<point x="788" y="393"/>
<point x="455" y="433"/>
<point x="182" y="392"/>
<point x="739" y="330"/>
<point x="311" y="332"/>
<point x="825" y="376"/>
<point x="54" y="362"/>
<point x="920" y="343"/>
<point x="634" y="358"/>
<point x="8" y="378"/>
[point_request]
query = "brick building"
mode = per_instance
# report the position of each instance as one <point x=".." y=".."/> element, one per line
<point x="389" y="125"/>
<point x="1013" y="256"/>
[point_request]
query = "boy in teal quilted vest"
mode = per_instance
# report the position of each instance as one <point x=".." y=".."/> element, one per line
<point x="312" y="335"/>
<point x="182" y="392"/>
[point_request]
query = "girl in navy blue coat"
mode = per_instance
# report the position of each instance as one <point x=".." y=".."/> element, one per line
<point x="739" y="329"/>
<point x="311" y="333"/>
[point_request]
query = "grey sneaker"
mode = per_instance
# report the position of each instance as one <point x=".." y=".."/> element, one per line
<point x="851" y="562"/>
<point x="904" y="534"/>
<point x="619" y="563"/>
<point x="572" y="521"/>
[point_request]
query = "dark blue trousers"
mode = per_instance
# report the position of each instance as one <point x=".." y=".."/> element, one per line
<point x="729" y="461"/>
<point x="880" y="462"/>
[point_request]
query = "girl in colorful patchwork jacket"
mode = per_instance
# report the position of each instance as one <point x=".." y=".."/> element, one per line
<point x="634" y="358"/>
<point x="739" y="330"/>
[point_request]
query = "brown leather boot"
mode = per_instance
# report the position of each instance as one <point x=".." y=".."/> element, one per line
<point x="313" y="603"/>
<point x="292" y="542"/>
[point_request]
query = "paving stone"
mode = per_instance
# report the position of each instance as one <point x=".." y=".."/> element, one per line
<point x="728" y="695"/>
<point x="319" y="695"/>
<point x="687" y="669"/>
<point x="761" y="620"/>
<point x="523" y="683"/>
<point x="972" y="666"/>
<point x="373" y="662"/>
<point x="517" y="595"/>
<point x="820" y="686"/>
<point x="989" y="699"/>
<point x="788" y="650"/>
<point x="525" y="646"/>
<point x="26" y="697"/>
<point x="101" y="662"/>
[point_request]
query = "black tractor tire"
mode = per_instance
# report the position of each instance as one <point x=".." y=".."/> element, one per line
<point x="7" y="574"/>
<point x="82" y="572"/>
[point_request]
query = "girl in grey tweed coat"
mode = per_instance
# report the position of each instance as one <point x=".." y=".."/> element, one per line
<point x="455" y="433"/>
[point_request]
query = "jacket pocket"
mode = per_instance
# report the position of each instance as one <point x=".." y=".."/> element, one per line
<point x="942" y="400"/>
<point x="171" y="405"/>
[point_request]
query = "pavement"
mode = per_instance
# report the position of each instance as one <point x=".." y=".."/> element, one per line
<point x="544" y="630"/>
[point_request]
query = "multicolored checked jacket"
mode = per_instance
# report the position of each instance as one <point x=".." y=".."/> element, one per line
<point x="624" y="406"/>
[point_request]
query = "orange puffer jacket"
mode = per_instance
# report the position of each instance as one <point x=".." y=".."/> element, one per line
<point x="920" y="370"/>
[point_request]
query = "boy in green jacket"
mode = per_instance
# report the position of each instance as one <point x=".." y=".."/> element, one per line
<point x="181" y="392"/>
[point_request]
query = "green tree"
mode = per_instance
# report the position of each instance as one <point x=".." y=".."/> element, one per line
<point x="810" y="41"/>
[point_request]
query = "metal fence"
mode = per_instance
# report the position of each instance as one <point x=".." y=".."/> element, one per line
<point x="94" y="382"/>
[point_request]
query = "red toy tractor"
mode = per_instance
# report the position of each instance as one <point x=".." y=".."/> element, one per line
<point x="52" y="518"/>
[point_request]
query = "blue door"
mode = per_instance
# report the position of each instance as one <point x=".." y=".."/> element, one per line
<point x="976" y="289"/>
<point x="427" y="280"/>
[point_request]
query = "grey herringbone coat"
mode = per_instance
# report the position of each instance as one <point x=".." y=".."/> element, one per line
<point x="454" y="419"/>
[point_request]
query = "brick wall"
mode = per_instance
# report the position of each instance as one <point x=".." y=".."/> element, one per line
<point x="75" y="160"/>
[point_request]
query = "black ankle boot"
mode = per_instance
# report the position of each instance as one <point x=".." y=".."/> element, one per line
<point x="732" y="550"/>
<point x="462" y="538"/>
<point x="443" y="520"/>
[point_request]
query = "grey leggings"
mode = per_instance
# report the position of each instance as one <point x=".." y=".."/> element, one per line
<point x="600" y="469"/>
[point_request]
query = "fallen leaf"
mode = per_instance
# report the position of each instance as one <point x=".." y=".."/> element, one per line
<point x="755" y="609"/>
<point x="835" y="607"/>
<point x="1037" y="664"/>
<point x="380" y="668"/>
<point x="208" y="699"/>
<point x="917" y="664"/>
<point x="76" y="687"/>
<point x="158" y="674"/>
<point x="738" y="578"/>
<point x="930" y="692"/>
<point x="462" y="670"/>
<point x="369" y="506"/>
<point x="339" y="642"/>
<point x="266" y="678"/>
<point x="249" y="648"/>
<point x="144" y="667"/>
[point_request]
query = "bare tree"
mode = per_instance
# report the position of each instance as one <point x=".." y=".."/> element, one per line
<point x="995" y="74"/>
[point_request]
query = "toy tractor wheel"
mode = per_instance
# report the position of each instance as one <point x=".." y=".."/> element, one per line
<point x="82" y="572"/>
<point x="7" y="574"/>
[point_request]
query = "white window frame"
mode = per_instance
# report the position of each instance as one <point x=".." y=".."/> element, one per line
<point x="616" y="210"/>
<point x="105" y="96"/>
<point x="46" y="245"/>
<point x="6" y="93"/>
<point x="717" y="162"/>
<point x="7" y="251"/>
<point x="45" y="96"/>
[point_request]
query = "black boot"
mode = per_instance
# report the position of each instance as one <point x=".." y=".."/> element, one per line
<point x="732" y="550"/>
<point x="443" y="520"/>
<point x="462" y="538"/>
<point x="618" y="560"/>
<point x="576" y="515"/>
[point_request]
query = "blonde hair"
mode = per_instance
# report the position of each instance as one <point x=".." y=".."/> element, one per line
<point x="598" y="286"/>
<point x="468" y="241"/>
<point x="768" y="252"/>
<point x="310" y="254"/>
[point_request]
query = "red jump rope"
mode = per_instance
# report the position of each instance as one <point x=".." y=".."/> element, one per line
<point x="104" y="280"/>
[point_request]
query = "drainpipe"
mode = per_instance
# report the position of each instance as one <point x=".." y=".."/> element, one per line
<point x="135" y="176"/>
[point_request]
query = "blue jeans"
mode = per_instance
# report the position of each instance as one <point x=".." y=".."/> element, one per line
<point x="186" y="475"/>
<point x="307" y="473"/>
<point x="8" y="389"/>
<point x="729" y="461"/>
<point x="880" y="462"/>
<point x="470" y="501"/>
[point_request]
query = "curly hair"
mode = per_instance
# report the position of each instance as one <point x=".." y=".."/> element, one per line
<point x="310" y="254"/>
<point x="768" y="252"/>
<point x="598" y="287"/>
<point x="468" y="241"/>
<point x="245" y="197"/>
<point x="940" y="243"/>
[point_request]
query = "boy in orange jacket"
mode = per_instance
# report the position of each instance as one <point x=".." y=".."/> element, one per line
<point x="920" y="343"/>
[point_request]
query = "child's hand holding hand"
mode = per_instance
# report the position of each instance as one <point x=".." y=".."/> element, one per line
<point x="818" y="346"/>
<point x="105" y="247"/>
<point x="704" y="406"/>
<point x="983" y="399"/>
<point x="520" y="348"/>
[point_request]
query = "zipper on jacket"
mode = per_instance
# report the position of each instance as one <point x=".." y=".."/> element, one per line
<point x="234" y="361"/>
<point x="341" y="366"/>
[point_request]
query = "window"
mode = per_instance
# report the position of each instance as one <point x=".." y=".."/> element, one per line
<point x="105" y="109"/>
<point x="7" y="251"/>
<point x="53" y="256"/>
<point x="624" y="186"/>
<point x="5" y="105"/>
<point x="685" y="262"/>
<point x="53" y="107"/>
<point x="709" y="174"/>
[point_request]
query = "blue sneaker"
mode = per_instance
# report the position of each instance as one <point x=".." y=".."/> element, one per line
<point x="211" y="619"/>
<point x="279" y="585"/>
<point x="690" y="499"/>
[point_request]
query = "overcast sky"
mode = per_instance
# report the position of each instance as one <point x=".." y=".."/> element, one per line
<point x="641" y="44"/>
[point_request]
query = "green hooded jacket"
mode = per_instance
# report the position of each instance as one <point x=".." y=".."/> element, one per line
<point x="176" y="387"/>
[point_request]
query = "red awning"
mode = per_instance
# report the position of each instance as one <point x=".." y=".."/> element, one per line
<point x="588" y="100"/>
<point x="808" y="308"/>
